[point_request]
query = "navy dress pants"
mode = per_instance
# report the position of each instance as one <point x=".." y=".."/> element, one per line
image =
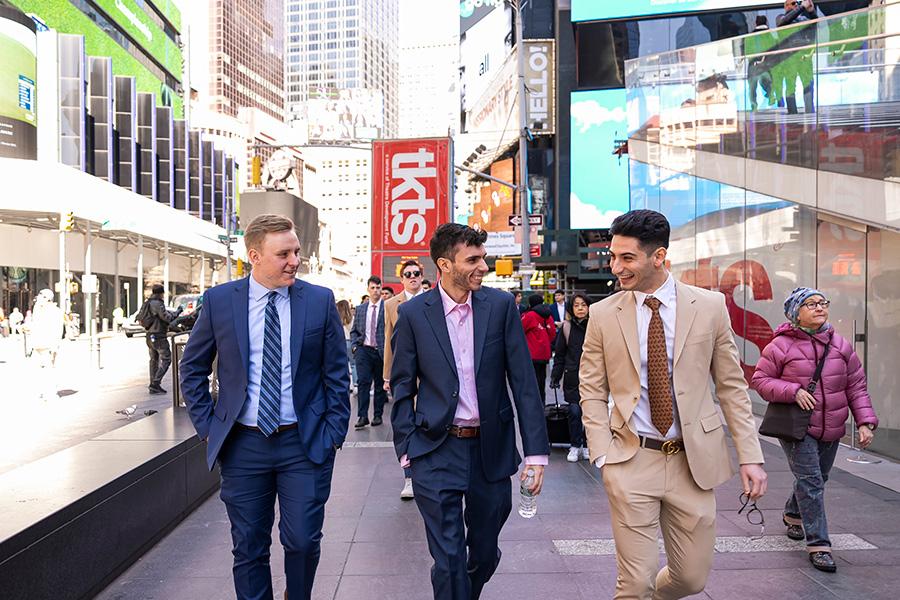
<point x="370" y="371"/>
<point x="463" y="514"/>
<point x="256" y="470"/>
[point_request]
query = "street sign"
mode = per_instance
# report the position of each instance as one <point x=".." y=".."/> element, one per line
<point x="225" y="239"/>
<point x="525" y="271"/>
<point x="533" y="220"/>
<point x="89" y="284"/>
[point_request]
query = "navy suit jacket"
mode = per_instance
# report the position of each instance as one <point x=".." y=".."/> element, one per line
<point x="358" y="330"/>
<point x="425" y="383"/>
<point x="321" y="380"/>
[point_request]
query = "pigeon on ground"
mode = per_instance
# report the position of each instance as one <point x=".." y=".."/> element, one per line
<point x="150" y="411"/>
<point x="128" y="411"/>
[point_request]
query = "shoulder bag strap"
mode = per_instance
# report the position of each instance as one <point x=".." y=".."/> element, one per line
<point x="811" y="388"/>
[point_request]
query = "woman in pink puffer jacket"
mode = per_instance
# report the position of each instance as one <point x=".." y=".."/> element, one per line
<point x="783" y="372"/>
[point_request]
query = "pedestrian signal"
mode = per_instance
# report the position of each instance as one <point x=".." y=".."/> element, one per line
<point x="256" y="171"/>
<point x="504" y="267"/>
<point x="67" y="221"/>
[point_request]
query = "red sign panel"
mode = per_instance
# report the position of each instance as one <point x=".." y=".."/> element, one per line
<point x="411" y="182"/>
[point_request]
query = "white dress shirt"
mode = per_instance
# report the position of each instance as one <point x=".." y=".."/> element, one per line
<point x="411" y="296"/>
<point x="372" y="329"/>
<point x="256" y="319"/>
<point x="561" y="307"/>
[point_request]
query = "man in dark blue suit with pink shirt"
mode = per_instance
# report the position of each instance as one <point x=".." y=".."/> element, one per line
<point x="455" y="349"/>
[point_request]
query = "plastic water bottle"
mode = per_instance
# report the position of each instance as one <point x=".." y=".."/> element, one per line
<point x="527" y="500"/>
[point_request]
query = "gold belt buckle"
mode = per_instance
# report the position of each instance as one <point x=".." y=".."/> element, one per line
<point x="669" y="447"/>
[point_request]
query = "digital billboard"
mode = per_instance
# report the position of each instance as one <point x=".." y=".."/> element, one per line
<point x="599" y="177"/>
<point x="18" y="73"/>
<point x="605" y="10"/>
<point x="345" y="114"/>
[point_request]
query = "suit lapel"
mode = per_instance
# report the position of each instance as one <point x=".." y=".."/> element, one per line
<point x="298" y="323"/>
<point x="626" y="314"/>
<point x="240" y="305"/>
<point x="434" y="311"/>
<point x="685" y="311"/>
<point x="482" y="316"/>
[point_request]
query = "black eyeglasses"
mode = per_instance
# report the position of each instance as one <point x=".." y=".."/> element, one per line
<point x="411" y="274"/>
<point x="754" y="514"/>
<point x="813" y="305"/>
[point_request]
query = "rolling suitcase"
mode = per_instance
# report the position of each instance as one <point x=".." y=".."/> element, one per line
<point x="557" y="417"/>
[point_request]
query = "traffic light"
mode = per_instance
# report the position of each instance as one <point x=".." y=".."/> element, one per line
<point x="240" y="268"/>
<point x="67" y="221"/>
<point x="256" y="171"/>
<point x="504" y="267"/>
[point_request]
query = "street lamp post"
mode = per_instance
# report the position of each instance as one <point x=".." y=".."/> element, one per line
<point x="525" y="266"/>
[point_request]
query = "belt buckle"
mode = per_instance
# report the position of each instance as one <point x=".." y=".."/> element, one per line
<point x="669" y="447"/>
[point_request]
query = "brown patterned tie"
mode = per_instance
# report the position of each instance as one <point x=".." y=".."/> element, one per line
<point x="659" y="389"/>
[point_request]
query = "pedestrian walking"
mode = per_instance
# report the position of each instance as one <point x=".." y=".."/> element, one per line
<point x="540" y="332"/>
<point x="283" y="406"/>
<point x="154" y="317"/>
<point x="455" y="349"/>
<point x="411" y="274"/>
<point x="566" y="365"/>
<point x="367" y="345"/>
<point x="788" y="372"/>
<point x="662" y="447"/>
<point x="345" y="311"/>
<point x="558" y="308"/>
<point x="16" y="318"/>
<point x="45" y="331"/>
<point x="4" y="324"/>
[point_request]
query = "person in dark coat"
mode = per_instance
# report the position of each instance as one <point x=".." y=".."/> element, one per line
<point x="565" y="368"/>
<point x="787" y="365"/>
<point x="540" y="331"/>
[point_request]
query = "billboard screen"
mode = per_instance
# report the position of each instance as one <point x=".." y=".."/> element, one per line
<point x="347" y="114"/>
<point x="593" y="10"/>
<point x="599" y="177"/>
<point x="18" y="73"/>
<point x="411" y="183"/>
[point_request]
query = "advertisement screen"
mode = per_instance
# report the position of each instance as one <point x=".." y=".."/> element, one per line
<point x="349" y="114"/>
<point x="599" y="177"/>
<point x="410" y="192"/>
<point x="18" y="72"/>
<point x="595" y="10"/>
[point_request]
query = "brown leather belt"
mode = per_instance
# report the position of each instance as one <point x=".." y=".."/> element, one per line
<point x="665" y="446"/>
<point x="281" y="428"/>
<point x="464" y="432"/>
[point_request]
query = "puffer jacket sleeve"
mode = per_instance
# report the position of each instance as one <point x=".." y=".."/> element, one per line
<point x="767" y="377"/>
<point x="857" y="391"/>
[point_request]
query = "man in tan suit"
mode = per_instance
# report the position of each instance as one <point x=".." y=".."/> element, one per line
<point x="411" y="276"/>
<point x="662" y="449"/>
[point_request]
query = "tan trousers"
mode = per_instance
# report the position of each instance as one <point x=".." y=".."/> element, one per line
<point x="649" y="492"/>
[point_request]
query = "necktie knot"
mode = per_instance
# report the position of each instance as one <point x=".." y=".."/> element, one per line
<point x="272" y="296"/>
<point x="652" y="303"/>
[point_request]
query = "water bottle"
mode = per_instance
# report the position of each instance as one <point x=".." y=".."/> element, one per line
<point x="527" y="500"/>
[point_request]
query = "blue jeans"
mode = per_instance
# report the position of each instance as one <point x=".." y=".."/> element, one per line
<point x="352" y="365"/>
<point x="810" y="461"/>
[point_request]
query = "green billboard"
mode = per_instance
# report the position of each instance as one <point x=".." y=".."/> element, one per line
<point x="18" y="73"/>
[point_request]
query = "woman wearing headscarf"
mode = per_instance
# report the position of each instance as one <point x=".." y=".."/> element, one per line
<point x="540" y="330"/>
<point x="785" y="369"/>
<point x="566" y="363"/>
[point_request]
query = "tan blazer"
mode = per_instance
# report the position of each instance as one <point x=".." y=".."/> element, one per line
<point x="704" y="347"/>
<point x="391" y="306"/>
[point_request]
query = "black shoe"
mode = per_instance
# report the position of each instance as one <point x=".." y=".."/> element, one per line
<point x="156" y="389"/>
<point x="795" y="532"/>
<point x="362" y="422"/>
<point x="377" y="421"/>
<point x="823" y="561"/>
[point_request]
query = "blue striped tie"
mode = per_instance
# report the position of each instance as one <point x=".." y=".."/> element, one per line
<point x="269" y="415"/>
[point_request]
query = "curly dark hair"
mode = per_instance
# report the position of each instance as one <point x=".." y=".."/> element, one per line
<point x="447" y="236"/>
<point x="648" y="226"/>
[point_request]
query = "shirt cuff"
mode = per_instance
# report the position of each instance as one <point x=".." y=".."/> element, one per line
<point x="600" y="462"/>
<point x="538" y="459"/>
<point x="404" y="461"/>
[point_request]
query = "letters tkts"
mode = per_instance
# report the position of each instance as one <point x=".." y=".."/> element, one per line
<point x="409" y="197"/>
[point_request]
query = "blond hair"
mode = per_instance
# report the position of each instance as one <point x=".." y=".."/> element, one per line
<point x="262" y="225"/>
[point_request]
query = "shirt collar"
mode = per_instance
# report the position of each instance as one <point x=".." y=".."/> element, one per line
<point x="450" y="303"/>
<point x="259" y="292"/>
<point x="411" y="296"/>
<point x="665" y="294"/>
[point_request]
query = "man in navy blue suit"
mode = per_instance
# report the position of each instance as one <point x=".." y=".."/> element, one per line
<point x="283" y="405"/>
<point x="455" y="350"/>
<point x="367" y="346"/>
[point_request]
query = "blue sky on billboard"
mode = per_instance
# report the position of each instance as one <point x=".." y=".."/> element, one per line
<point x="600" y="10"/>
<point x="599" y="178"/>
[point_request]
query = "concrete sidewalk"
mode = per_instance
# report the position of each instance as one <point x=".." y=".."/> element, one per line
<point x="374" y="543"/>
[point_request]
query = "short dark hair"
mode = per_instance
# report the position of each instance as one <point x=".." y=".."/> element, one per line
<point x="388" y="288"/>
<point x="409" y="263"/>
<point x="448" y="235"/>
<point x="648" y="226"/>
<point x="555" y="292"/>
<point x="426" y="282"/>
<point x="373" y="279"/>
<point x="157" y="289"/>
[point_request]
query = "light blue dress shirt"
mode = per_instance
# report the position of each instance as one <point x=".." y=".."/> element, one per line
<point x="257" y="325"/>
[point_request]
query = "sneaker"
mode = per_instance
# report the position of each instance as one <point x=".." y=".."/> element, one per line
<point x="585" y="454"/>
<point x="823" y="561"/>
<point x="407" y="493"/>
<point x="574" y="454"/>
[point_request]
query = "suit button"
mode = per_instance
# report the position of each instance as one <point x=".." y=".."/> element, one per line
<point x="454" y="394"/>
<point x="447" y="428"/>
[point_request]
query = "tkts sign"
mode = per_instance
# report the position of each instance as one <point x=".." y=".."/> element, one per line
<point x="411" y="192"/>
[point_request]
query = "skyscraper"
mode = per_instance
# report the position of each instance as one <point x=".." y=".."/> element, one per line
<point x="340" y="45"/>
<point x="246" y="56"/>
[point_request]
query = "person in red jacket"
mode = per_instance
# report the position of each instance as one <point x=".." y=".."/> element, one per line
<point x="785" y="368"/>
<point x="540" y="331"/>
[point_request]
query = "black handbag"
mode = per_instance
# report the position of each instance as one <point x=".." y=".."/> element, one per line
<point x="557" y="417"/>
<point x="789" y="422"/>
